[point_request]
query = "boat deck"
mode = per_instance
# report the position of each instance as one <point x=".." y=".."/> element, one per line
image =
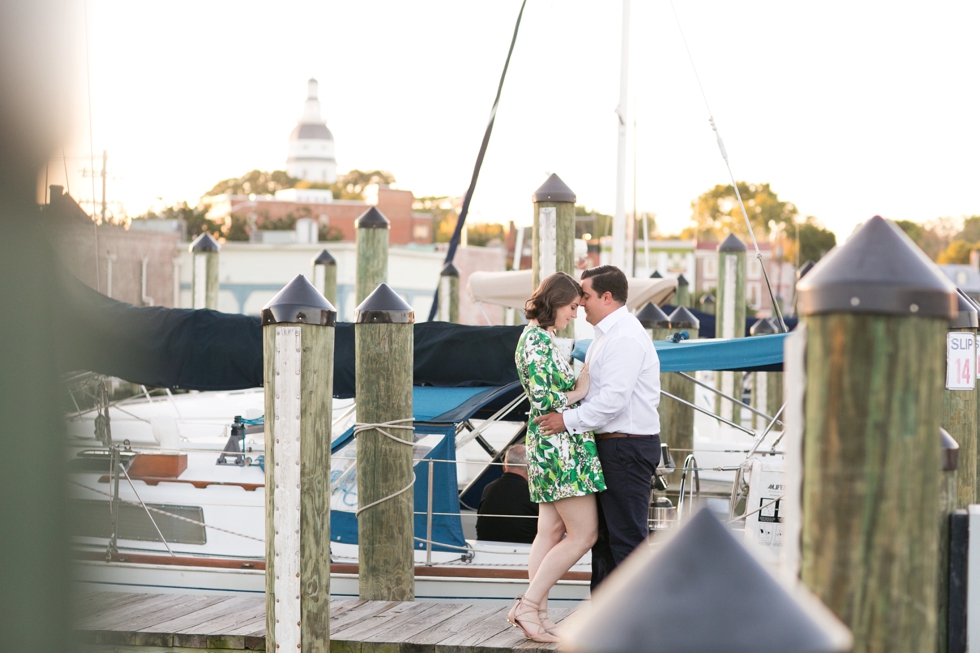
<point x="120" y="622"/>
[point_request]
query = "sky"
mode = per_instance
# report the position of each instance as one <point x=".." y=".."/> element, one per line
<point x="847" y="109"/>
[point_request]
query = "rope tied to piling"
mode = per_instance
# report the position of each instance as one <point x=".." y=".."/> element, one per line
<point x="362" y="427"/>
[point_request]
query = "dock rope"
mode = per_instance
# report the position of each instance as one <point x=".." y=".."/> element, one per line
<point x="361" y="427"/>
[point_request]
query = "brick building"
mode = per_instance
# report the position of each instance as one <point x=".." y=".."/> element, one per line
<point x="407" y="226"/>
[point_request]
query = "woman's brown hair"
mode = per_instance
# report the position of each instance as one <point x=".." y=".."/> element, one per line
<point x="554" y="292"/>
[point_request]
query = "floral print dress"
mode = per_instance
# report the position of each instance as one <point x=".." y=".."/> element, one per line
<point x="564" y="464"/>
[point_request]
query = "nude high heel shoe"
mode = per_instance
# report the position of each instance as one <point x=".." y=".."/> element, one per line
<point x="525" y="617"/>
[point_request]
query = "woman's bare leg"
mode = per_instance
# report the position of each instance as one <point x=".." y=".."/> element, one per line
<point x="581" y="521"/>
<point x="550" y="531"/>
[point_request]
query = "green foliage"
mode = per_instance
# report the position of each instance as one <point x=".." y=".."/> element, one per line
<point x="815" y="241"/>
<point x="957" y="252"/>
<point x="256" y="181"/>
<point x="444" y="214"/>
<point x="589" y="221"/>
<point x="933" y="237"/>
<point x="716" y="213"/>
<point x="195" y="219"/>
<point x="484" y="233"/>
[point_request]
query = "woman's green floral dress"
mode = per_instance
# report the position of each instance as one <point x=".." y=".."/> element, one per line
<point x="561" y="465"/>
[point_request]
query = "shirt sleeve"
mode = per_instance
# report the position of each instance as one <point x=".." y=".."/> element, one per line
<point x="545" y="382"/>
<point x="621" y="360"/>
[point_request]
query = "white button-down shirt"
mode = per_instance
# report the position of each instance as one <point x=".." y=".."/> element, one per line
<point x="625" y="380"/>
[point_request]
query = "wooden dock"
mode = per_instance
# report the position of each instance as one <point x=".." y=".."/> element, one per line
<point x="141" y="623"/>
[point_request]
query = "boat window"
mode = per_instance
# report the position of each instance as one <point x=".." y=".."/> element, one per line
<point x="92" y="519"/>
<point x="343" y="469"/>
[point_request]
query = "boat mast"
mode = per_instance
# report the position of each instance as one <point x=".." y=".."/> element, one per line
<point x="619" y="257"/>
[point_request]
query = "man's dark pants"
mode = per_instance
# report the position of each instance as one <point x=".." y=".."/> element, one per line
<point x="628" y="465"/>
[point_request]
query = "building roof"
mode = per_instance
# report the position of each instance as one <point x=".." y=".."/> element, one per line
<point x="311" y="131"/>
<point x="965" y="277"/>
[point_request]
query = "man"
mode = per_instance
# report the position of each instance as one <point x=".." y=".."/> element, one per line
<point x="621" y="409"/>
<point x="508" y="495"/>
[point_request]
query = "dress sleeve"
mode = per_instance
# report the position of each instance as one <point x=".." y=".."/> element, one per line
<point x="546" y="385"/>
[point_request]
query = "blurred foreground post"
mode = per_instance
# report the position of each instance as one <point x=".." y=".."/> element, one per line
<point x="876" y="315"/>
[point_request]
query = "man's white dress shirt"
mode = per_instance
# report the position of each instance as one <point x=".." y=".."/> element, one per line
<point x="625" y="380"/>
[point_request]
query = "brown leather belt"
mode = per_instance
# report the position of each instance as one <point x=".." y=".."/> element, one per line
<point x="610" y="436"/>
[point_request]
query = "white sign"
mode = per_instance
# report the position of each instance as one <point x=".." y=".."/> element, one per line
<point x="961" y="360"/>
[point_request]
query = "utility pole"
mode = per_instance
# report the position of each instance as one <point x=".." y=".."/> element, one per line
<point x="105" y="157"/>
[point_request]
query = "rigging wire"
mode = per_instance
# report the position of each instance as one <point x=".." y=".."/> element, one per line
<point x="724" y="155"/>
<point x="461" y="221"/>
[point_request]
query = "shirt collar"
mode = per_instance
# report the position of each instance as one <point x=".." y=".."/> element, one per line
<point x="611" y="320"/>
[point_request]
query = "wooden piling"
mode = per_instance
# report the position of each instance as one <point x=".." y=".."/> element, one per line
<point x="325" y="276"/>
<point x="449" y="294"/>
<point x="876" y="312"/>
<point x="683" y="292"/>
<point x="384" y="355"/>
<point x="948" y="497"/>
<point x="800" y="273"/>
<point x="960" y="402"/>
<point x="553" y="236"/>
<point x="298" y="346"/>
<point x="763" y="382"/>
<point x="677" y="429"/>
<point x="707" y="303"/>
<point x="657" y="326"/>
<point x="372" y="252"/>
<point x="730" y="318"/>
<point x="204" y="280"/>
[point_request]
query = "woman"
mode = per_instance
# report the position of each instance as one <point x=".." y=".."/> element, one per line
<point x="563" y="469"/>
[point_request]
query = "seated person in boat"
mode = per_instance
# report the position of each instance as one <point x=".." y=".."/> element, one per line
<point x="508" y="495"/>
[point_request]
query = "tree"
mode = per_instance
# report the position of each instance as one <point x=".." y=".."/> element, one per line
<point x="255" y="182"/>
<point x="351" y="186"/>
<point x="195" y="219"/>
<point x="815" y="241"/>
<point x="957" y="252"/>
<point x="933" y="237"/>
<point x="716" y="213"/>
<point x="444" y="211"/>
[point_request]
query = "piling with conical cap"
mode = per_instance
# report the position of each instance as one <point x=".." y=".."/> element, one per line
<point x="449" y="294"/>
<point x="204" y="278"/>
<point x="657" y="326"/>
<point x="298" y="351"/>
<point x="372" y="252"/>
<point x="767" y="387"/>
<point x="553" y="235"/>
<point x="721" y="600"/>
<point x="875" y="311"/>
<point x="656" y="275"/>
<point x="384" y="359"/>
<point x="950" y="457"/>
<point x="806" y="267"/>
<point x="730" y="318"/>
<point x="325" y="275"/>
<point x="677" y="422"/>
<point x="683" y="291"/>
<point x="707" y="303"/>
<point x="960" y="396"/>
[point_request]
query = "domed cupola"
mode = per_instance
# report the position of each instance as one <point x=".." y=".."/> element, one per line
<point x="311" y="146"/>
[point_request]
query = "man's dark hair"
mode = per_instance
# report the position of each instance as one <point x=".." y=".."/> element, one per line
<point x="608" y="278"/>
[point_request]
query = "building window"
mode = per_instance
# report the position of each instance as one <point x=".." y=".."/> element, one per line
<point x="754" y="295"/>
<point x="755" y="268"/>
<point x="710" y="267"/>
<point x="420" y="232"/>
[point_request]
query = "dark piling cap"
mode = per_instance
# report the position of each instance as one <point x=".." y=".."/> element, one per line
<point x="806" y="267"/>
<point x="384" y="306"/>
<point x="682" y="318"/>
<point x="707" y="298"/>
<point x="299" y="303"/>
<point x="372" y="219"/>
<point x="682" y="281"/>
<point x="763" y="327"/>
<point x="656" y="275"/>
<point x="967" y="317"/>
<point x="731" y="244"/>
<point x="553" y="190"/>
<point x="204" y="243"/>
<point x="449" y="270"/>
<point x="652" y="316"/>
<point x="324" y="258"/>
<point x="950" y="451"/>
<point x="702" y="591"/>
<point x="878" y="270"/>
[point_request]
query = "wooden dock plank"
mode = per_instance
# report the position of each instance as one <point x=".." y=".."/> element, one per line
<point x="89" y="603"/>
<point x="142" y="622"/>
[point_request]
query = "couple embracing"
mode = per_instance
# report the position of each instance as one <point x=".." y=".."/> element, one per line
<point x="593" y="443"/>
